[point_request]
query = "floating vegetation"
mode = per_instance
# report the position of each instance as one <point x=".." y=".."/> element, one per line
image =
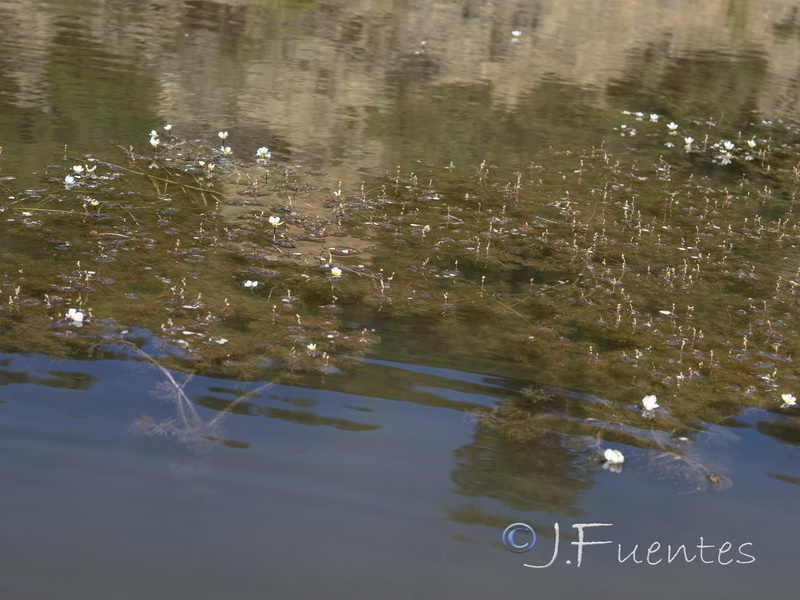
<point x="164" y="254"/>
<point x="669" y="270"/>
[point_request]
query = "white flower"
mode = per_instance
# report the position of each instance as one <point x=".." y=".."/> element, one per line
<point x="75" y="315"/>
<point x="688" y="141"/>
<point x="69" y="180"/>
<point x="788" y="400"/>
<point x="336" y="272"/>
<point x="516" y="33"/>
<point x="154" y="141"/>
<point x="649" y="402"/>
<point x="728" y="145"/>
<point x="672" y="126"/>
<point x="751" y="143"/>
<point x="223" y="135"/>
<point x="614" y="460"/>
<point x="78" y="169"/>
<point x="168" y="126"/>
<point x="153" y="133"/>
<point x="250" y="284"/>
<point x="311" y="348"/>
<point x="91" y="169"/>
<point x="653" y="117"/>
<point x="225" y="150"/>
<point x="669" y="145"/>
<point x="263" y="153"/>
<point x="275" y="221"/>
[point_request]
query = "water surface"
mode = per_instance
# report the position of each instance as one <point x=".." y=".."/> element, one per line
<point x="373" y="478"/>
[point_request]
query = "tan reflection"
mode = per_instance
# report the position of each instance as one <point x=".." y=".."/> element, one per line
<point x="308" y="78"/>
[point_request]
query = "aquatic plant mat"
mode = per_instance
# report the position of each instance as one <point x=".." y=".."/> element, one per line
<point x="670" y="268"/>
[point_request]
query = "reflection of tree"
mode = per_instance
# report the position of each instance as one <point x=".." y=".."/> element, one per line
<point x="550" y="439"/>
<point x="65" y="380"/>
<point x="543" y="475"/>
<point x="786" y="431"/>
<point x="304" y="416"/>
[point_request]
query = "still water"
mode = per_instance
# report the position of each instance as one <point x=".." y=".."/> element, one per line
<point x="126" y="477"/>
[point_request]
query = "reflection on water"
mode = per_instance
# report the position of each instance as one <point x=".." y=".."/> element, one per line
<point x="414" y="504"/>
<point x="358" y="88"/>
<point x="392" y="476"/>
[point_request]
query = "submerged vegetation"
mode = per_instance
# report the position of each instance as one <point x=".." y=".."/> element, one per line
<point x="670" y="269"/>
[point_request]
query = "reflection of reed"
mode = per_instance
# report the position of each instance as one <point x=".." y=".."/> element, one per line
<point x="188" y="426"/>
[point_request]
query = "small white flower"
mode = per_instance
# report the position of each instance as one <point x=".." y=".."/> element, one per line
<point x="77" y="169"/>
<point x="728" y="145"/>
<point x="154" y="141"/>
<point x="649" y="402"/>
<point x="263" y="153"/>
<point x="223" y="135"/>
<point x="672" y="126"/>
<point x="75" y="315"/>
<point x="516" y="33"/>
<point x="168" y="126"/>
<point x="69" y="180"/>
<point x="688" y="141"/>
<point x="653" y="117"/>
<point x="311" y="348"/>
<point x="225" y="150"/>
<point x="153" y="133"/>
<point x="669" y="145"/>
<point x="614" y="460"/>
<point x="275" y="221"/>
<point x="336" y="272"/>
<point x="91" y="169"/>
<point x="788" y="400"/>
<point x="751" y="143"/>
<point x="250" y="284"/>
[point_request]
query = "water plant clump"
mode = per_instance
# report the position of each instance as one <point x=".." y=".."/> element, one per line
<point x="604" y="273"/>
<point x="178" y="254"/>
<point x="647" y="272"/>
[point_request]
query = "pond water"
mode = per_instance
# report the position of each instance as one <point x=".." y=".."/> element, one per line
<point x="484" y="232"/>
